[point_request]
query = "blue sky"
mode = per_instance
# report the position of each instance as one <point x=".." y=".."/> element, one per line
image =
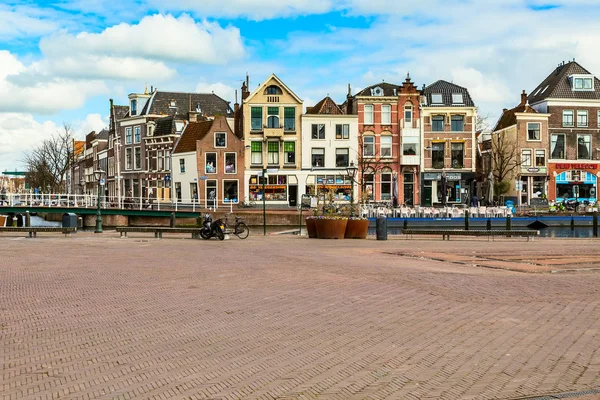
<point x="61" y="60"/>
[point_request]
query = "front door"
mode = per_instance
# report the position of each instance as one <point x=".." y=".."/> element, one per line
<point x="293" y="195"/>
<point x="427" y="196"/>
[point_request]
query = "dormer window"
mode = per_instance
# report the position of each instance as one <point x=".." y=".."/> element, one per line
<point x="172" y="103"/>
<point x="457" y="98"/>
<point x="582" y="82"/>
<point x="133" y="107"/>
<point x="377" y="91"/>
<point x="436" y="98"/>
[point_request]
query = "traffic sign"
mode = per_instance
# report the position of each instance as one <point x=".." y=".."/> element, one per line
<point x="203" y="177"/>
<point x="102" y="182"/>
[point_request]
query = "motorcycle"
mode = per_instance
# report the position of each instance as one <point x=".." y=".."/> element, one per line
<point x="570" y="205"/>
<point x="212" y="228"/>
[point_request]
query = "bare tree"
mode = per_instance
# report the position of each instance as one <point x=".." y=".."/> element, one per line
<point x="47" y="165"/>
<point x="483" y="122"/>
<point x="506" y="158"/>
<point x="367" y="165"/>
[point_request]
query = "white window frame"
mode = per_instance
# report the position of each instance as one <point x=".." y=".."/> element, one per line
<point x="276" y="162"/>
<point x="539" y="139"/>
<point x="386" y="146"/>
<point x="345" y="131"/>
<point x="368" y="114"/>
<point x="128" y="135"/>
<point x="237" y="181"/>
<point x="535" y="156"/>
<point x="408" y="108"/>
<point x="589" y="149"/>
<point x="564" y="157"/>
<point x="598" y="121"/>
<point x="566" y="112"/>
<point x="137" y="134"/>
<point x="225" y="163"/>
<point x="386" y="111"/>
<point x="285" y="153"/>
<point x="364" y="144"/>
<point x="252" y="153"/>
<point x="343" y="151"/>
<point x="312" y="128"/>
<point x="582" y="113"/>
<point x="215" y="140"/>
<point x="216" y="162"/>
<point x="529" y="163"/>
<point x="457" y="98"/>
<point x="129" y="165"/>
<point x="312" y="153"/>
<point x="435" y="96"/>
<point x="182" y="165"/>
<point x="134" y="158"/>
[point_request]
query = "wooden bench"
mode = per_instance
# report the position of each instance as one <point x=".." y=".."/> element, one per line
<point x="157" y="230"/>
<point x="446" y="233"/>
<point x="33" y="230"/>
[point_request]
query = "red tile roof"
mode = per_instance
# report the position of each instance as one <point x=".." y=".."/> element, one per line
<point x="193" y="132"/>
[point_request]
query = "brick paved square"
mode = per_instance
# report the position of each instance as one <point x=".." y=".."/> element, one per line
<point x="98" y="317"/>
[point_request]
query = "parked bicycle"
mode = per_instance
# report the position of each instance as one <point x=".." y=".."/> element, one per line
<point x="240" y="229"/>
<point x="247" y="204"/>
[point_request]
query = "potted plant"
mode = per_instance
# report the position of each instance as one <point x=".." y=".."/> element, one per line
<point x="357" y="226"/>
<point x="331" y="225"/>
<point x="311" y="228"/>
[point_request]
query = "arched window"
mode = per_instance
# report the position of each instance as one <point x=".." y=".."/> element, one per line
<point x="408" y="114"/>
<point x="386" y="183"/>
<point x="273" y="89"/>
<point x="273" y="117"/>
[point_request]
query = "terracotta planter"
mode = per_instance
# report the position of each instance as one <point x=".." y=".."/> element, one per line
<point x="311" y="228"/>
<point x="357" y="229"/>
<point x="331" y="228"/>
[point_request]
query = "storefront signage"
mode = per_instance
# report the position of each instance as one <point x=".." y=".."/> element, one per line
<point x="436" y="176"/>
<point x="453" y="177"/>
<point x="576" y="166"/>
<point x="432" y="176"/>
<point x="533" y="170"/>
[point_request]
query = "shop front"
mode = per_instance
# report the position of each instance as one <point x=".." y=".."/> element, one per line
<point x="339" y="186"/>
<point x="456" y="188"/>
<point x="278" y="189"/>
<point x="573" y="181"/>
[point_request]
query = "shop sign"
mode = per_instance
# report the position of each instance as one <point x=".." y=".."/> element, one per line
<point x="576" y="166"/>
<point x="533" y="170"/>
<point x="453" y="176"/>
<point x="432" y="176"/>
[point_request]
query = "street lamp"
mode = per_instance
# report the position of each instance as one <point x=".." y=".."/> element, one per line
<point x="98" y="175"/>
<point x="351" y="170"/>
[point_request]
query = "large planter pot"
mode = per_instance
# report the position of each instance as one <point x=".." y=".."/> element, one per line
<point x="331" y="228"/>
<point x="311" y="228"/>
<point x="357" y="229"/>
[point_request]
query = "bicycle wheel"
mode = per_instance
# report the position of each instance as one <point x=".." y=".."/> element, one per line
<point x="242" y="231"/>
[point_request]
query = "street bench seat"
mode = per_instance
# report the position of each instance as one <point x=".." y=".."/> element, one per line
<point x="157" y="230"/>
<point x="33" y="230"/>
<point x="446" y="233"/>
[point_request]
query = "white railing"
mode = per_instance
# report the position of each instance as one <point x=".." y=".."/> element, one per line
<point x="375" y="210"/>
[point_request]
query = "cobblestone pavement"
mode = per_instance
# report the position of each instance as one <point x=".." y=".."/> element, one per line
<point x="288" y="318"/>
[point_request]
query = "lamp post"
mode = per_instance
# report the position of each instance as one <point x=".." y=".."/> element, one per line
<point x="98" y="175"/>
<point x="264" y="178"/>
<point x="351" y="170"/>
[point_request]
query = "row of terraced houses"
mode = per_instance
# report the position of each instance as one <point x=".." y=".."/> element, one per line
<point x="410" y="145"/>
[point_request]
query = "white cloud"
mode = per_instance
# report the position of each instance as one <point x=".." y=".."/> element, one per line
<point x="156" y="37"/>
<point x="92" y="122"/>
<point x="20" y="23"/>
<point x="251" y="9"/>
<point x="222" y="90"/>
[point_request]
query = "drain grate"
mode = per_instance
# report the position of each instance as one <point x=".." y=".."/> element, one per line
<point x="566" y="395"/>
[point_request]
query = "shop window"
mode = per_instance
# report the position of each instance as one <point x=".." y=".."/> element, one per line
<point x="341" y="158"/>
<point x="230" y="191"/>
<point x="385" y="144"/>
<point x="289" y="118"/>
<point x="386" y="114"/>
<point x="386" y="184"/>
<point x="457" y="154"/>
<point x="582" y="118"/>
<point x="342" y="131"/>
<point x="533" y="131"/>
<point x="568" y="118"/>
<point x="289" y="150"/>
<point x="540" y="158"/>
<point x="230" y="163"/>
<point x="318" y="131"/>
<point x="273" y="153"/>
<point x="211" y="163"/>
<point x="583" y="147"/>
<point x="256" y="118"/>
<point x="526" y="158"/>
<point x="369" y="146"/>
<point x="437" y="123"/>
<point x="368" y="113"/>
<point x="220" y="139"/>
<point x="457" y="123"/>
<point x="409" y="149"/>
<point x="437" y="155"/>
<point x="273" y="117"/>
<point x="557" y="146"/>
<point x="539" y="186"/>
<point x="318" y="157"/>
<point x="256" y="153"/>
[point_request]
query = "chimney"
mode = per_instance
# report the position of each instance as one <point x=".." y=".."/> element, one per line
<point x="236" y="116"/>
<point x="523" y="98"/>
<point x="245" y="91"/>
<point x="349" y="102"/>
<point x="112" y="115"/>
<point x="504" y="110"/>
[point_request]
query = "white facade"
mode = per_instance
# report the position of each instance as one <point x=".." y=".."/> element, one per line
<point x="327" y="150"/>
<point x="184" y="177"/>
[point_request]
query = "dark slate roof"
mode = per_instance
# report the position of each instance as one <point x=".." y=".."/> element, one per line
<point x="193" y="131"/>
<point x="446" y="89"/>
<point x="508" y="117"/>
<point x="165" y="126"/>
<point x="102" y="135"/>
<point x="388" y="90"/>
<point x="210" y="104"/>
<point x="121" y="112"/>
<point x="557" y="85"/>
<point x="325" y="106"/>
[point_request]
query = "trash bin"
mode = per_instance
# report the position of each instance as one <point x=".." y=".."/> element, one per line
<point x="381" y="228"/>
<point x="69" y="220"/>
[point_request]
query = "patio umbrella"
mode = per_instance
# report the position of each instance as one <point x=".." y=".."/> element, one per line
<point x="395" y="190"/>
<point x="444" y="189"/>
<point x="490" y="188"/>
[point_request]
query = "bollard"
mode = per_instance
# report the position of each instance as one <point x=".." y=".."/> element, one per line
<point x="595" y="224"/>
<point x="572" y="223"/>
<point x="27" y="219"/>
<point x="488" y="225"/>
<point x="381" y="228"/>
<point x="405" y="225"/>
<point x="466" y="220"/>
<point x="14" y="221"/>
<point x="79" y="222"/>
<point x="508" y="222"/>
<point x="173" y="220"/>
